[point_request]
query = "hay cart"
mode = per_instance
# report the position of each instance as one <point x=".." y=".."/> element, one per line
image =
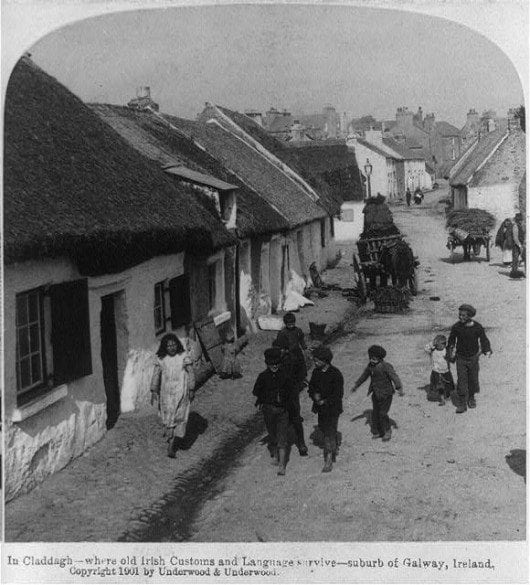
<point x="471" y="243"/>
<point x="368" y="268"/>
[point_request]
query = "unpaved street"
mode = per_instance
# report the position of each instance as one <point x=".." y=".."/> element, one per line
<point x="443" y="476"/>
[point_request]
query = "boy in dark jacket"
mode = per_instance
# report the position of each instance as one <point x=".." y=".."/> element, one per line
<point x="274" y="390"/>
<point x="383" y="383"/>
<point x="326" y="389"/>
<point x="295" y="416"/>
<point x="467" y="341"/>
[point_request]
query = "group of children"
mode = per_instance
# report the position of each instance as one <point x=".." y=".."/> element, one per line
<point x="277" y="389"/>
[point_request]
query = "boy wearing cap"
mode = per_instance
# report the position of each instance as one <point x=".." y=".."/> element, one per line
<point x="326" y="389"/>
<point x="383" y="383"/>
<point x="292" y="338"/>
<point x="274" y="394"/>
<point x="467" y="341"/>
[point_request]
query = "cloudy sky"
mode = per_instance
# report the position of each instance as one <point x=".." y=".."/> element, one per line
<point x="360" y="60"/>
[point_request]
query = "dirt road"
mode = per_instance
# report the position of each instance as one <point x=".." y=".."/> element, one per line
<point x="443" y="476"/>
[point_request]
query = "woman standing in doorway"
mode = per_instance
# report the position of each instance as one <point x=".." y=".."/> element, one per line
<point x="171" y="388"/>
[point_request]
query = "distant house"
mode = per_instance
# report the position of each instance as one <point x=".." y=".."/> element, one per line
<point x="103" y="254"/>
<point x="440" y="141"/>
<point x="411" y="171"/>
<point x="490" y="173"/>
<point x="383" y="160"/>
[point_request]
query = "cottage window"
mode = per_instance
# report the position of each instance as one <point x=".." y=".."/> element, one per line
<point x="178" y="310"/>
<point x="53" y="338"/>
<point x="332" y="226"/>
<point x="159" y="308"/>
<point x="30" y="357"/>
<point x="323" y="233"/>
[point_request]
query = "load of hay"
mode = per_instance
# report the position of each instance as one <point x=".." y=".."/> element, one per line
<point x="389" y="299"/>
<point x="378" y="220"/>
<point x="472" y="221"/>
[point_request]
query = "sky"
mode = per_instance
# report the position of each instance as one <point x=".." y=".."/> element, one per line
<point x="360" y="60"/>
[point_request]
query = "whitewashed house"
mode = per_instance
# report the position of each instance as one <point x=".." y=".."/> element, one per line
<point x="103" y="254"/>
<point x="490" y="172"/>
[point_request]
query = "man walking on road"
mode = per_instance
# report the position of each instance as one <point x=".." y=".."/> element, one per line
<point x="466" y="342"/>
<point x="518" y="249"/>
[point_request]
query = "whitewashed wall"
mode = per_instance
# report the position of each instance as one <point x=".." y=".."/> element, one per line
<point x="53" y="436"/>
<point x="502" y="200"/>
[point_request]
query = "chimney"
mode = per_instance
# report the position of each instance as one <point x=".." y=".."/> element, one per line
<point x="143" y="92"/>
<point x="143" y="100"/>
<point x="297" y="131"/>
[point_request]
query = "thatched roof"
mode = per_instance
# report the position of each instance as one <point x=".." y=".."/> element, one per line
<point x="507" y="164"/>
<point x="255" y="170"/>
<point x="154" y="137"/>
<point x="73" y="187"/>
<point x="331" y="169"/>
<point x="465" y="167"/>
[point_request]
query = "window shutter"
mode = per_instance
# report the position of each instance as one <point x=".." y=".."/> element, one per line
<point x="70" y="334"/>
<point x="179" y="301"/>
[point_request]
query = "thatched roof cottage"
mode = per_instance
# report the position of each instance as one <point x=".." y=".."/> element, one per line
<point x="97" y="241"/>
<point x="489" y="174"/>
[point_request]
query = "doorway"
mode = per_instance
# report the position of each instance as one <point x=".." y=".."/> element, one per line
<point x="113" y="350"/>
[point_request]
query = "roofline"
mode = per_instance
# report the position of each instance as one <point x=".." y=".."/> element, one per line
<point x="274" y="160"/>
<point x="494" y="150"/>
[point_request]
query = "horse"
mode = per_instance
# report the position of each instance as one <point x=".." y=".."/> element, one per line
<point x="397" y="260"/>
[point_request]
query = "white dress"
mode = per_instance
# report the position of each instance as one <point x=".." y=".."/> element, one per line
<point x="171" y="377"/>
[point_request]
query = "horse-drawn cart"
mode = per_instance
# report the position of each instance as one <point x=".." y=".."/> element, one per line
<point x="382" y="258"/>
<point x="471" y="243"/>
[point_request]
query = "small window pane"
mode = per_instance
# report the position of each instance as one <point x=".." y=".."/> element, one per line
<point x="23" y="342"/>
<point x="34" y="337"/>
<point x="33" y="301"/>
<point x="36" y="373"/>
<point x="22" y="310"/>
<point x="25" y="375"/>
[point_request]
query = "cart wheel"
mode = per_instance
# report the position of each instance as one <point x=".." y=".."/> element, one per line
<point x="488" y="251"/>
<point x="413" y="283"/>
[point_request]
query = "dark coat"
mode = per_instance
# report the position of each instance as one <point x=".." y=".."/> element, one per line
<point x="275" y="388"/>
<point x="383" y="379"/>
<point x="330" y="386"/>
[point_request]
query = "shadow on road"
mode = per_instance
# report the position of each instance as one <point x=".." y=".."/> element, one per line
<point x="516" y="461"/>
<point x="197" y="425"/>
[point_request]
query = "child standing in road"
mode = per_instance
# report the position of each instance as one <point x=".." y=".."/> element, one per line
<point x="383" y="383"/>
<point x="171" y="388"/>
<point x="466" y="342"/>
<point x="230" y="367"/>
<point x="326" y="389"/>
<point x="291" y="340"/>
<point x="274" y="391"/>
<point x="441" y="384"/>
